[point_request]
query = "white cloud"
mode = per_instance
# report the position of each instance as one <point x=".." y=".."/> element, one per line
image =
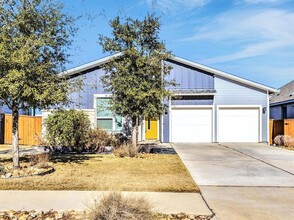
<point x="250" y="33"/>
<point x="177" y="5"/>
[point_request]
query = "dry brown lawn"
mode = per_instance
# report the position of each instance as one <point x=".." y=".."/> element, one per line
<point x="150" y="172"/>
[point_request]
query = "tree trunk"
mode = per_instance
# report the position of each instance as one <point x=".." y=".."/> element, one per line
<point x="134" y="132"/>
<point x="15" y="146"/>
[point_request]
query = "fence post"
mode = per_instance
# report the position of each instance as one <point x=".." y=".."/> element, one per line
<point x="2" y="123"/>
<point x="271" y="128"/>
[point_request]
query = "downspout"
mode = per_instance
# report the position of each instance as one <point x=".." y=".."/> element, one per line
<point x="268" y="119"/>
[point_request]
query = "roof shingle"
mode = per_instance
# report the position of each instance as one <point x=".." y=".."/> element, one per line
<point x="286" y="94"/>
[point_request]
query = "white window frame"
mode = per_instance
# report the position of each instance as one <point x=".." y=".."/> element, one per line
<point x="113" y="116"/>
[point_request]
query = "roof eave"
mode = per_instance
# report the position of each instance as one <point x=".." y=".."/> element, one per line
<point x="282" y="102"/>
<point x="90" y="65"/>
<point x="225" y="75"/>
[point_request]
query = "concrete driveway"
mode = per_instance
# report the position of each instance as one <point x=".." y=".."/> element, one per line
<point x="243" y="181"/>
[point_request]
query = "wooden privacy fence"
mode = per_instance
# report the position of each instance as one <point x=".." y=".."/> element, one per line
<point x="29" y="127"/>
<point x="281" y="127"/>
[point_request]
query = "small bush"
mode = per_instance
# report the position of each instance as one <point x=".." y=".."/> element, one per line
<point x="121" y="152"/>
<point x="97" y="139"/>
<point x="39" y="139"/>
<point x="39" y="159"/>
<point x="284" y="140"/>
<point x="279" y="140"/>
<point x="126" y="150"/>
<point x="288" y="141"/>
<point x="67" y="128"/>
<point x="116" y="207"/>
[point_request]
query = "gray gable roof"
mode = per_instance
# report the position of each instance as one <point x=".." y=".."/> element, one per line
<point x="286" y="94"/>
<point x="198" y="66"/>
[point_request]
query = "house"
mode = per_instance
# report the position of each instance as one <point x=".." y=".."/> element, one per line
<point x="208" y="105"/>
<point x="32" y="112"/>
<point x="282" y="103"/>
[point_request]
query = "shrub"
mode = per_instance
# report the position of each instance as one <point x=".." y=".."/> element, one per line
<point x="40" y="140"/>
<point x="67" y="128"/>
<point x="126" y="150"/>
<point x="279" y="140"/>
<point x="116" y="207"/>
<point x="39" y="159"/>
<point x="97" y="139"/>
<point x="288" y="141"/>
<point x="284" y="140"/>
<point x="121" y="152"/>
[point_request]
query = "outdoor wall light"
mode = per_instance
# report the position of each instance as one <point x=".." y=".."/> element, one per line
<point x="264" y="110"/>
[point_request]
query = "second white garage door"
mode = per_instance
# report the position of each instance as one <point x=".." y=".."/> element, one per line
<point x="191" y="125"/>
<point x="238" y="125"/>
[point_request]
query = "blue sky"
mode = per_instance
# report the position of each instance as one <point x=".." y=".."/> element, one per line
<point x="253" y="39"/>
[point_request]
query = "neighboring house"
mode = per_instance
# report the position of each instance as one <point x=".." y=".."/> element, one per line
<point x="208" y="105"/>
<point x="282" y="103"/>
<point x="32" y="112"/>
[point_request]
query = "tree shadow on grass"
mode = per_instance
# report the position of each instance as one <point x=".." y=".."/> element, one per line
<point x="56" y="158"/>
<point x="9" y="159"/>
<point x="71" y="158"/>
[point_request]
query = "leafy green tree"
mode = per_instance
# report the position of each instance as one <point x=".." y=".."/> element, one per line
<point x="136" y="79"/>
<point x="34" y="37"/>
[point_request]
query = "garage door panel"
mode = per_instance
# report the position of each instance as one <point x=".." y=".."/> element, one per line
<point x="191" y="125"/>
<point x="238" y="125"/>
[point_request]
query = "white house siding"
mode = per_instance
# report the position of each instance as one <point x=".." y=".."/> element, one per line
<point x="233" y="93"/>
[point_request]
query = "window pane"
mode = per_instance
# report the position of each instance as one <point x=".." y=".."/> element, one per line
<point x="105" y="124"/>
<point x="103" y="107"/>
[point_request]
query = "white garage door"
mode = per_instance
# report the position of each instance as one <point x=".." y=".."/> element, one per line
<point x="238" y="125"/>
<point x="191" y="125"/>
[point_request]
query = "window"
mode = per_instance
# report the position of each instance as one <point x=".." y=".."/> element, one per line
<point x="105" y="123"/>
<point x="192" y="100"/>
<point x="106" y="119"/>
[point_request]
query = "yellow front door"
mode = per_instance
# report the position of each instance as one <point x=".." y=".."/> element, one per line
<point x="151" y="129"/>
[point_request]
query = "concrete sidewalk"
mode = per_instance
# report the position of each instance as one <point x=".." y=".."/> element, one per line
<point x="168" y="203"/>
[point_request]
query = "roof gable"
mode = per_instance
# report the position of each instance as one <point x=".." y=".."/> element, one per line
<point x="286" y="94"/>
<point x="99" y="62"/>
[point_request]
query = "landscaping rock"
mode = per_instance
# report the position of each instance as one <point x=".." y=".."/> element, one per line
<point x="10" y="172"/>
<point x="83" y="215"/>
<point x="8" y="175"/>
<point x="48" y="215"/>
<point x="108" y="149"/>
<point x="182" y="216"/>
